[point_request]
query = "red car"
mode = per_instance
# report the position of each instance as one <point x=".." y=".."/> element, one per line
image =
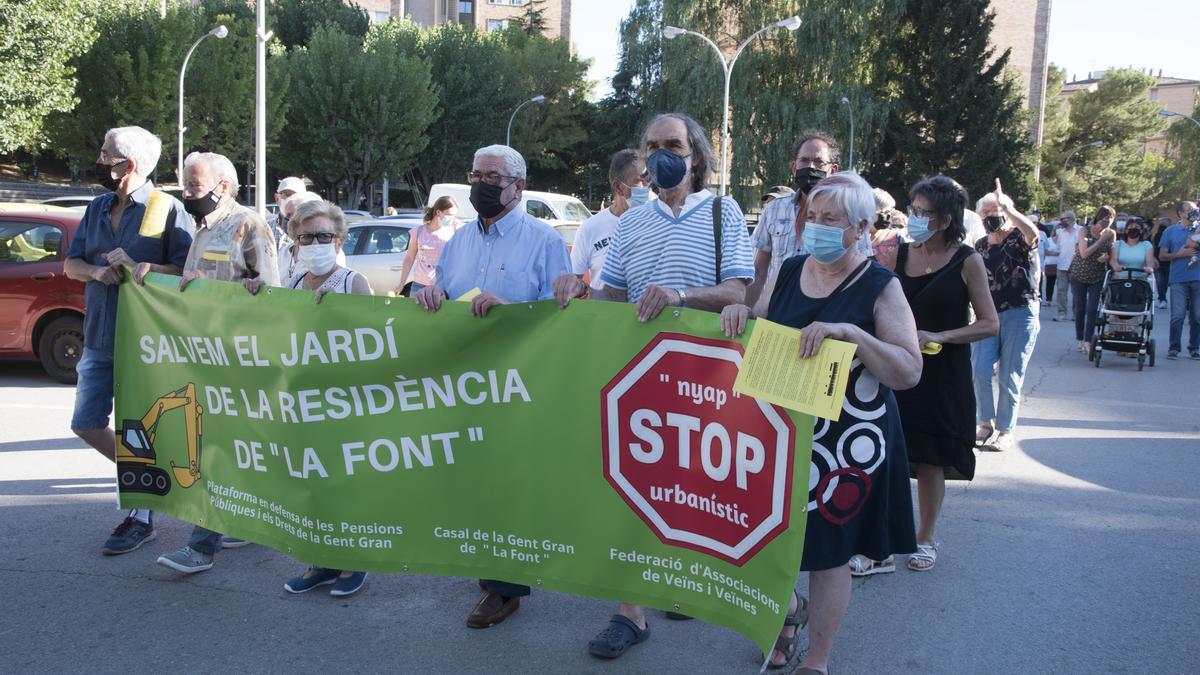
<point x="41" y="310"/>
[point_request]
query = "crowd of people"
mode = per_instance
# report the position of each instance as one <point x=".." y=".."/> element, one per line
<point x="941" y="300"/>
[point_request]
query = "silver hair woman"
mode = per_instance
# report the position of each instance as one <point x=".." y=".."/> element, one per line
<point x="860" y="500"/>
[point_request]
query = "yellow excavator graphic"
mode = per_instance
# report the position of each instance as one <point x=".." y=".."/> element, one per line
<point x="135" y="445"/>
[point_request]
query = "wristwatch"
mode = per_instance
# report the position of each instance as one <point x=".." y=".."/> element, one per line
<point x="682" y="297"/>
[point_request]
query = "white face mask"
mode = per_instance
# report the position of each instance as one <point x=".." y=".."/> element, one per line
<point x="318" y="258"/>
<point x="446" y="221"/>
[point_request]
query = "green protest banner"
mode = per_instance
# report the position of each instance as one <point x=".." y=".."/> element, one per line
<point x="577" y="450"/>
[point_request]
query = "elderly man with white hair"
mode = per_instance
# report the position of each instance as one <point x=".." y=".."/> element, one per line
<point x="133" y="227"/>
<point x="288" y="187"/>
<point x="232" y="243"/>
<point x="508" y="256"/>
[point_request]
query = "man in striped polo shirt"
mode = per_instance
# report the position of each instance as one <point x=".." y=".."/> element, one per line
<point x="665" y="253"/>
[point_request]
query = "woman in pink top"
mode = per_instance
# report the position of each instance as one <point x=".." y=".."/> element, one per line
<point x="426" y="243"/>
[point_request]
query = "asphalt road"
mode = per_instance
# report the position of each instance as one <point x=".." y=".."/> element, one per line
<point x="1072" y="553"/>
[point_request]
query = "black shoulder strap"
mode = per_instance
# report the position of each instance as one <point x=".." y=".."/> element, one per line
<point x="960" y="255"/>
<point x="716" y="211"/>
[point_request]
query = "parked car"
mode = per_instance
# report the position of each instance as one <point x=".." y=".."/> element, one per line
<point x="41" y="310"/>
<point x="553" y="208"/>
<point x="376" y="249"/>
<point x="32" y="207"/>
<point x="79" y="202"/>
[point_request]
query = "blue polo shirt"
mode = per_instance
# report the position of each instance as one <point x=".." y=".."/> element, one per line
<point x="518" y="259"/>
<point x="1173" y="239"/>
<point x="95" y="237"/>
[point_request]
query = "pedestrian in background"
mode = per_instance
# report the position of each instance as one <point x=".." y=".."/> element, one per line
<point x="1066" y="234"/>
<point x="1179" y="244"/>
<point x="1162" y="268"/>
<point x="1087" y="271"/>
<point x="1050" y="255"/>
<point x="118" y="232"/>
<point x="425" y="245"/>
<point x="1010" y="255"/>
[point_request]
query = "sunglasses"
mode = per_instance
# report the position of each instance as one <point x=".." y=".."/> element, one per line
<point x="321" y="237"/>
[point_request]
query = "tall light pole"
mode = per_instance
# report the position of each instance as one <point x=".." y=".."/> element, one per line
<point x="671" y="32"/>
<point x="260" y="108"/>
<point x="219" y="32"/>
<point x="1168" y="113"/>
<point x="850" y="109"/>
<point x="1062" y="179"/>
<point x="508" y="134"/>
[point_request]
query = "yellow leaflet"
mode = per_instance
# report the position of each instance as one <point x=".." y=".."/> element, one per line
<point x="773" y="371"/>
<point x="931" y="348"/>
<point x="154" y="220"/>
<point x="469" y="295"/>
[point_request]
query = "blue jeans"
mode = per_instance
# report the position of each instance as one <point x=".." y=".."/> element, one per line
<point x="1185" y="302"/>
<point x="205" y="541"/>
<point x="94" y="391"/>
<point x="1011" y="348"/>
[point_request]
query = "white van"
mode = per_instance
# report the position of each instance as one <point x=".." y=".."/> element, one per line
<point x="555" y="209"/>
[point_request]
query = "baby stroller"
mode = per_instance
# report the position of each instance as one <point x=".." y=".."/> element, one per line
<point x="1125" y="317"/>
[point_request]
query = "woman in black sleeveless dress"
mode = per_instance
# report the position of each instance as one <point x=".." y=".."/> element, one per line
<point x="859" y="499"/>
<point x="943" y="280"/>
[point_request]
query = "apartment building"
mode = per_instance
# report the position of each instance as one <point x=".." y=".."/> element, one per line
<point x="483" y="14"/>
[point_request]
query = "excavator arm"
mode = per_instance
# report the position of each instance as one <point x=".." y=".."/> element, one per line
<point x="135" y="440"/>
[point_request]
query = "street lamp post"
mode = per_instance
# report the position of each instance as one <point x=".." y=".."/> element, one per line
<point x="1168" y="113"/>
<point x="1062" y="180"/>
<point x="508" y="134"/>
<point x="671" y="32"/>
<point x="219" y="32"/>
<point x="850" y="109"/>
<point x="262" y="37"/>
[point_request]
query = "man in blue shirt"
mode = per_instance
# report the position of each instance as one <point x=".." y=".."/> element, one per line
<point x="1177" y="245"/>
<point x="119" y="231"/>
<point x="508" y="256"/>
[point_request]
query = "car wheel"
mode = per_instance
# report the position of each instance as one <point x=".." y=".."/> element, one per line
<point x="60" y="348"/>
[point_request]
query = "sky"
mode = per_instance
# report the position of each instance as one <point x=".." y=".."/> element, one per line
<point x="1085" y="35"/>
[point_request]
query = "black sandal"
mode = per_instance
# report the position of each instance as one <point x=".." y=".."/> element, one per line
<point x="790" y="646"/>
<point x="620" y="634"/>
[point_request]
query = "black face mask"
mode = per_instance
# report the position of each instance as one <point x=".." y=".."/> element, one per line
<point x="993" y="223"/>
<point x="1133" y="234"/>
<point x="805" y="178"/>
<point x="486" y="199"/>
<point x="200" y="207"/>
<point x="106" y="179"/>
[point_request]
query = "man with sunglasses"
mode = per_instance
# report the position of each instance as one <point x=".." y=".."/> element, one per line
<point x="119" y="230"/>
<point x="508" y="256"/>
<point x="232" y="243"/>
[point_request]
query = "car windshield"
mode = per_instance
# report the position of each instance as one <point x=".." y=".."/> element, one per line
<point x="573" y="209"/>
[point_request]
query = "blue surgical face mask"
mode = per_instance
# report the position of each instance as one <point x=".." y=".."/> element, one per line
<point x="824" y="242"/>
<point x="666" y="168"/>
<point x="918" y="229"/>
<point x="638" y="196"/>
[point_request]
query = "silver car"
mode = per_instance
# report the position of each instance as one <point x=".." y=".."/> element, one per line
<point x="376" y="249"/>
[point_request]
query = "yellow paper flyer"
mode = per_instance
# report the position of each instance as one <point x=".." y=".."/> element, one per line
<point x="468" y="296"/>
<point x="773" y="371"/>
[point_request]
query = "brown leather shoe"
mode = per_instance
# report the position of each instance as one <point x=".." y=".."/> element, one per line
<point x="491" y="610"/>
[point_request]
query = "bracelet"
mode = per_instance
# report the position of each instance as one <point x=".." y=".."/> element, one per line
<point x="682" y="297"/>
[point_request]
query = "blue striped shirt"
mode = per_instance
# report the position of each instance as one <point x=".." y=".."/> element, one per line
<point x="653" y="247"/>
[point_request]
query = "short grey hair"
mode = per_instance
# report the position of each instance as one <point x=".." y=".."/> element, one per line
<point x="296" y="200"/>
<point x="1069" y="214"/>
<point x="220" y="165"/>
<point x="702" y="152"/>
<point x="514" y="163"/>
<point x="851" y="192"/>
<point x="990" y="198"/>
<point x="135" y="143"/>
<point x="316" y="208"/>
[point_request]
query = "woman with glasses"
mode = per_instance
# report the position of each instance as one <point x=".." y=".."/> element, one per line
<point x="1010" y="254"/>
<point x="943" y="280"/>
<point x="319" y="230"/>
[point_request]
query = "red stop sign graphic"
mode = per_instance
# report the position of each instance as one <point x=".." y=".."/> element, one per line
<point x="705" y="468"/>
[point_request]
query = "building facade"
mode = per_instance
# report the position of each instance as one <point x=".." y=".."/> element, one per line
<point x="483" y="14"/>
<point x="1024" y="27"/>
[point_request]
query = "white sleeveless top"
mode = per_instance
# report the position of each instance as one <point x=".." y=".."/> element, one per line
<point x="340" y="281"/>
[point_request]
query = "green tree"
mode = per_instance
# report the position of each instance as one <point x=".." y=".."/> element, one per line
<point x="38" y="40"/>
<point x="955" y="111"/>
<point x="1120" y="113"/>
<point x="533" y="19"/>
<point x="295" y="20"/>
<point x="358" y="112"/>
<point x="1183" y="143"/>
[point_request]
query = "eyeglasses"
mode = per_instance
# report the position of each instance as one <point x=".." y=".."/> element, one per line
<point x="921" y="213"/>
<point x="814" y="162"/>
<point x="491" y="177"/>
<point x="321" y="237"/>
